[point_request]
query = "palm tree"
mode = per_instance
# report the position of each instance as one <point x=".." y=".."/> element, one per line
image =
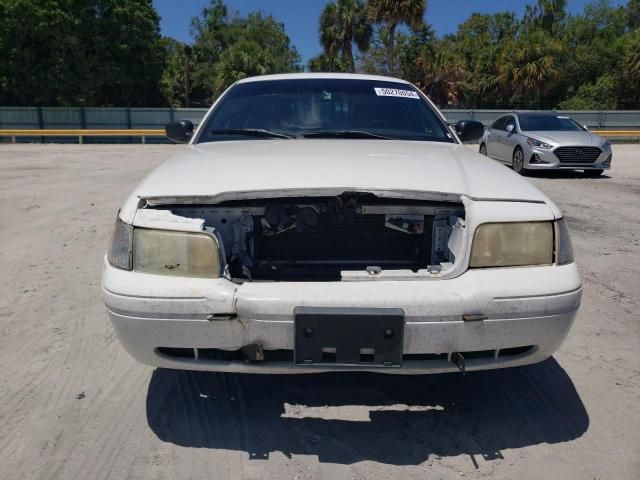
<point x="444" y="74"/>
<point x="530" y="65"/>
<point x="394" y="13"/>
<point x="546" y="14"/>
<point x="325" y="63"/>
<point x="343" y="23"/>
<point x="632" y="56"/>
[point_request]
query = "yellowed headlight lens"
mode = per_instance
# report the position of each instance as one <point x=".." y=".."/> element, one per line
<point x="512" y="244"/>
<point x="175" y="253"/>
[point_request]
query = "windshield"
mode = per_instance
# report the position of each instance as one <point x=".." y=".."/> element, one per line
<point x="323" y="108"/>
<point x="540" y="123"/>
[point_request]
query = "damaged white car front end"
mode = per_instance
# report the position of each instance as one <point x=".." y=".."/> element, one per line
<point x="307" y="255"/>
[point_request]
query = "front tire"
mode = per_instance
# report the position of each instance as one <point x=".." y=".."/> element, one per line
<point x="517" y="161"/>
<point x="483" y="149"/>
<point x="593" y="173"/>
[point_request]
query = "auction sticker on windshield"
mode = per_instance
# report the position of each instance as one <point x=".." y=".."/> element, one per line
<point x="394" y="92"/>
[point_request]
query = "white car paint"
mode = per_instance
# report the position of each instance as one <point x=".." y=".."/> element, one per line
<point x="515" y="306"/>
<point x="239" y="169"/>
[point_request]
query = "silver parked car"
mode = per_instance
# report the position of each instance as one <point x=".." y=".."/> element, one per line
<point x="543" y="141"/>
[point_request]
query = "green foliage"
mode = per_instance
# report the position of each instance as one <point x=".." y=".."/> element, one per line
<point x="412" y="48"/>
<point x="632" y="57"/>
<point x="530" y="66"/>
<point x="545" y="15"/>
<point x="483" y="41"/>
<point x="374" y="60"/>
<point x="328" y="63"/>
<point x="600" y="95"/>
<point x="547" y="59"/>
<point x="593" y="66"/>
<point x="228" y="48"/>
<point x="633" y="14"/>
<point x="172" y="81"/>
<point x="343" y="23"/>
<point x="80" y="52"/>
<point x="444" y="72"/>
<point x="392" y="13"/>
<point x="109" y="52"/>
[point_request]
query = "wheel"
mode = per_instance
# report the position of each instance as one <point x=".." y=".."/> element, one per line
<point x="593" y="173"/>
<point x="518" y="161"/>
<point x="483" y="149"/>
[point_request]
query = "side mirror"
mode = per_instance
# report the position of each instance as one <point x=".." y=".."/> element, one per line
<point x="179" y="132"/>
<point x="510" y="128"/>
<point x="468" y="130"/>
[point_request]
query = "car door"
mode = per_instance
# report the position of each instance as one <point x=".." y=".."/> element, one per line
<point x="510" y="139"/>
<point x="494" y="138"/>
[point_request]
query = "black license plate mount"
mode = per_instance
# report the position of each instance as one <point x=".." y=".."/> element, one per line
<point x="362" y="337"/>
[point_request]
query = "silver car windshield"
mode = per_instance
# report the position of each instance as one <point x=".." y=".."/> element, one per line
<point x="547" y="123"/>
<point x="324" y="108"/>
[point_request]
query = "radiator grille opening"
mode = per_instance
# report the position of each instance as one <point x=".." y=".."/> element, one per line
<point x="577" y="154"/>
<point x="316" y="238"/>
<point x="336" y="244"/>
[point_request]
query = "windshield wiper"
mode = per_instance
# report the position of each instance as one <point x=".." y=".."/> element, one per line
<point x="250" y="132"/>
<point x="345" y="134"/>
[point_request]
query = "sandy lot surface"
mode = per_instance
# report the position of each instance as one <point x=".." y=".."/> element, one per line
<point x="73" y="404"/>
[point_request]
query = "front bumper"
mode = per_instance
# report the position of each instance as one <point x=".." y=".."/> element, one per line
<point x="529" y="306"/>
<point x="549" y="161"/>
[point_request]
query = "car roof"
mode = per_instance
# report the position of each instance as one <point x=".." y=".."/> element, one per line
<point x="537" y="114"/>
<point x="309" y="76"/>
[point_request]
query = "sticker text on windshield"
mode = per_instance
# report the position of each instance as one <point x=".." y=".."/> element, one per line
<point x="394" y="92"/>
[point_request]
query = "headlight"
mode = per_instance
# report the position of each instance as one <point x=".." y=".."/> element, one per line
<point x="168" y="252"/>
<point x="512" y="244"/>
<point x="605" y="146"/>
<point x="119" y="254"/>
<point x="538" y="144"/>
<point x="564" y="250"/>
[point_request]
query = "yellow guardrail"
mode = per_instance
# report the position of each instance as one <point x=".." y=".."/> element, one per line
<point x="123" y="132"/>
<point x="81" y="132"/>
<point x="617" y="133"/>
<point x="13" y="133"/>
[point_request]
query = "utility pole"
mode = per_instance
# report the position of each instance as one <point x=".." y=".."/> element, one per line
<point x="187" y="76"/>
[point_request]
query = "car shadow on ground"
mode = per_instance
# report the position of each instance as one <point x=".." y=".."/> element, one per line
<point x="350" y="417"/>
<point x="553" y="174"/>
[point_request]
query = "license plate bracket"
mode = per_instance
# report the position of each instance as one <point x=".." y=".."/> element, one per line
<point x="348" y="336"/>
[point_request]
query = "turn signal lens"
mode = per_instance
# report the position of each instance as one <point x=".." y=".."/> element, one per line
<point x="119" y="254"/>
<point x="183" y="254"/>
<point x="512" y="244"/>
<point x="565" y="248"/>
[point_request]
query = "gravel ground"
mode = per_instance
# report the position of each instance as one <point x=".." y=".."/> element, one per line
<point x="73" y="404"/>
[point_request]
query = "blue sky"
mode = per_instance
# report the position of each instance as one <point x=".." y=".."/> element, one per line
<point x="301" y="16"/>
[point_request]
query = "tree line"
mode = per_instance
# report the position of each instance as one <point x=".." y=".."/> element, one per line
<point x="546" y="59"/>
<point x="111" y="53"/>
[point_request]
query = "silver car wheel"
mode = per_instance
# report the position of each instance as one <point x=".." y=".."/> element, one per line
<point x="518" y="161"/>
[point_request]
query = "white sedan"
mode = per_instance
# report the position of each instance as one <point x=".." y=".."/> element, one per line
<point x="320" y="222"/>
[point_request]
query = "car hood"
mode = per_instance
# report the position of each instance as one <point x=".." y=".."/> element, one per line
<point x="267" y="168"/>
<point x="582" y="139"/>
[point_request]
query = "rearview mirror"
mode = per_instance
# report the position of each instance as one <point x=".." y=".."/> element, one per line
<point x="179" y="132"/>
<point x="468" y="130"/>
<point x="510" y="128"/>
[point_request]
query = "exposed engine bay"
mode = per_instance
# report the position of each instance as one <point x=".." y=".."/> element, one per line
<point x="326" y="238"/>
